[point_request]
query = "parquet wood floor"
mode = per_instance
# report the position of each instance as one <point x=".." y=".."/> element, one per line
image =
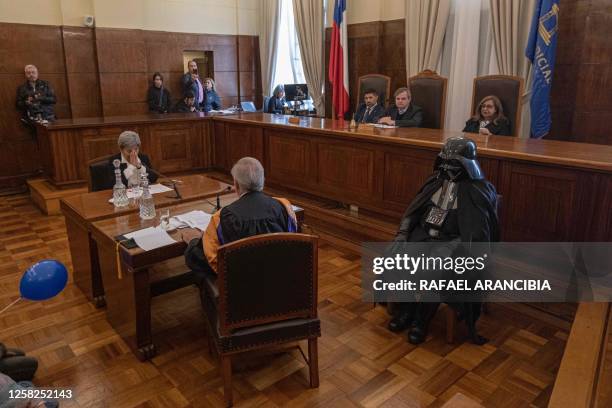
<point x="361" y="363"/>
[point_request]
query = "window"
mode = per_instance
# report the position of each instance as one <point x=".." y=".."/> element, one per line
<point x="289" y="68"/>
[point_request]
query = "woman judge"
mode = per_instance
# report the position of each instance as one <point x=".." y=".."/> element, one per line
<point x="489" y="118"/>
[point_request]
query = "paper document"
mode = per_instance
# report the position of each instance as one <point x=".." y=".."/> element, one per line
<point x="192" y="219"/>
<point x="151" y="238"/>
<point x="223" y="111"/>
<point x="153" y="189"/>
<point x="380" y="125"/>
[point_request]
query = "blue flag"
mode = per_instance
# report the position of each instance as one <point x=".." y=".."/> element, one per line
<point x="540" y="50"/>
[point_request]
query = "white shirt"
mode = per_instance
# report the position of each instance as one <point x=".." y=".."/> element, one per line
<point x="132" y="173"/>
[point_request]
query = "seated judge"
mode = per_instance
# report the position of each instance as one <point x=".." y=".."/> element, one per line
<point x="253" y="213"/>
<point x="489" y="118"/>
<point x="211" y="98"/>
<point x="191" y="82"/>
<point x="187" y="104"/>
<point x="370" y="110"/>
<point x="403" y="113"/>
<point x="158" y="96"/>
<point x="35" y="97"/>
<point x="133" y="164"/>
<point x="277" y="102"/>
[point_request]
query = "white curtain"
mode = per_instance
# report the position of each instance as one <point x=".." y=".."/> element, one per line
<point x="510" y="21"/>
<point x="269" y="11"/>
<point x="460" y="60"/>
<point x="426" y="22"/>
<point x="309" y="24"/>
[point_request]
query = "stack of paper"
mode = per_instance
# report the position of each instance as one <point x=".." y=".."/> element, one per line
<point x="151" y="238"/>
<point x="193" y="219"/>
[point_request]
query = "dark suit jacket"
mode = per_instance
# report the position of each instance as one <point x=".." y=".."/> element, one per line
<point x="502" y="128"/>
<point x="413" y="117"/>
<point x="103" y="176"/>
<point x="377" y="112"/>
<point x="181" y="106"/>
<point x="191" y="85"/>
<point x="276" y="105"/>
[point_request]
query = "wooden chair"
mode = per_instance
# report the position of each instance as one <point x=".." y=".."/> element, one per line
<point x="449" y="314"/>
<point x="428" y="91"/>
<point x="381" y="83"/>
<point x="97" y="170"/>
<point x="509" y="89"/>
<point x="264" y="294"/>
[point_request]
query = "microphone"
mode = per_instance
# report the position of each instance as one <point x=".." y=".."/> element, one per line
<point x="218" y="204"/>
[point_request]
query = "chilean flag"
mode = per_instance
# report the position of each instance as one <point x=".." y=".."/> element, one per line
<point x="338" y="60"/>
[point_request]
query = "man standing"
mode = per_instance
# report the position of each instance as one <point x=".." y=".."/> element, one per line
<point x="369" y="111"/>
<point x="191" y="82"/>
<point x="403" y="114"/>
<point x="35" y="98"/>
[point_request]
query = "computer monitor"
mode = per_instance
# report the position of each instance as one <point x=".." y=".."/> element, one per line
<point x="248" y="106"/>
<point x="296" y="91"/>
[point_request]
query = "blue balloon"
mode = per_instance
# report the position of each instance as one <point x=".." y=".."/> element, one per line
<point x="43" y="280"/>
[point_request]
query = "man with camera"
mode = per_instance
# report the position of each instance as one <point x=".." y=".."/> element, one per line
<point x="35" y="98"/>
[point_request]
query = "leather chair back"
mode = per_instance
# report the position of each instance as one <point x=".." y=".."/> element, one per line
<point x="98" y="173"/>
<point x="428" y="91"/>
<point x="267" y="278"/>
<point x="266" y="100"/>
<point x="509" y="90"/>
<point x="381" y="83"/>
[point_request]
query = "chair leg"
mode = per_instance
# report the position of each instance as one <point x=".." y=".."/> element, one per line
<point x="451" y="322"/>
<point x="226" y="373"/>
<point x="313" y="362"/>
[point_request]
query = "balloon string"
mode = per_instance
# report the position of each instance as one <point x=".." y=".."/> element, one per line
<point x="11" y="304"/>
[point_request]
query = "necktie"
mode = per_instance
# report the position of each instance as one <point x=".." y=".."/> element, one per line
<point x="367" y="115"/>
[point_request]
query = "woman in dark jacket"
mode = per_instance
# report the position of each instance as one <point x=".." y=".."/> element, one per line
<point x="277" y="102"/>
<point x="158" y="97"/>
<point x="211" y="98"/>
<point x="489" y="118"/>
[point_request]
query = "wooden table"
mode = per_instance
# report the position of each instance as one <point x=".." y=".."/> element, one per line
<point x="82" y="210"/>
<point x="129" y="291"/>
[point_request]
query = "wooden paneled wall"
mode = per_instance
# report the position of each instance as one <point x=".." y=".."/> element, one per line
<point x="22" y="44"/>
<point x="106" y="72"/>
<point x="581" y="101"/>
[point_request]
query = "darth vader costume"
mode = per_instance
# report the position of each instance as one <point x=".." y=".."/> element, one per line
<point x="455" y="205"/>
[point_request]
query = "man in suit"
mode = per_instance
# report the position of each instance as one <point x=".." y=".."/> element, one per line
<point x="133" y="164"/>
<point x="192" y="83"/>
<point x="254" y="213"/>
<point x="369" y="111"/>
<point x="404" y="113"/>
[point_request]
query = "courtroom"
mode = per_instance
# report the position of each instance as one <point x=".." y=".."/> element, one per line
<point x="335" y="203"/>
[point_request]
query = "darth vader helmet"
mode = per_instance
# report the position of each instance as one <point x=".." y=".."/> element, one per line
<point x="458" y="157"/>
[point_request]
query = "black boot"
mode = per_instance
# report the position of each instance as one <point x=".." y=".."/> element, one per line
<point x="402" y="317"/>
<point x="423" y="315"/>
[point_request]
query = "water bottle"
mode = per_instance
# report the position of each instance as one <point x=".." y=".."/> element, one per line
<point x="120" y="197"/>
<point x="147" y="205"/>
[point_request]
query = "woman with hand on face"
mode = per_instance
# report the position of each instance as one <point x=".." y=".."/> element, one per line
<point x="158" y="96"/>
<point x="489" y="118"/>
<point x="211" y="98"/>
<point x="133" y="164"/>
